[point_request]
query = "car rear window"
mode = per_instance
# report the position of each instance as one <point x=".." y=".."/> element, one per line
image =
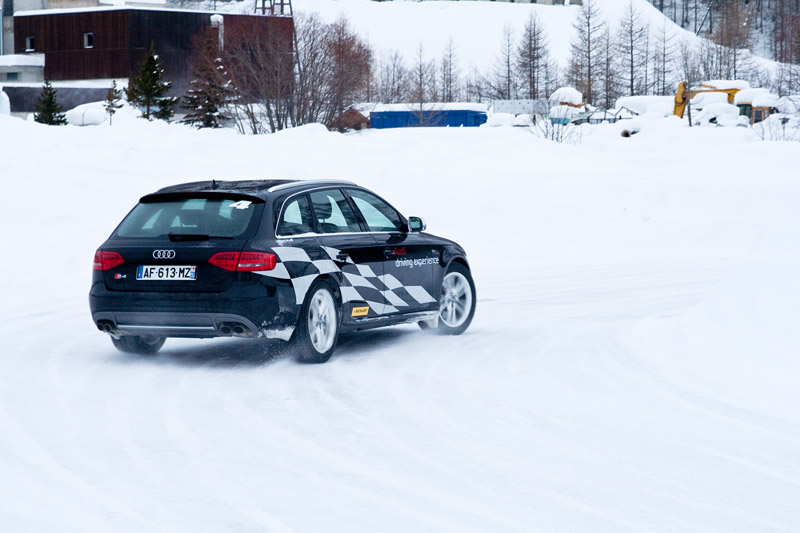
<point x="213" y="217"/>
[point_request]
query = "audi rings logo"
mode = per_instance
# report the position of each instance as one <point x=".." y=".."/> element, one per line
<point x="163" y="254"/>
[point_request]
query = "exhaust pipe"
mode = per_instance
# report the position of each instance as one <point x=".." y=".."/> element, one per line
<point x="105" y="326"/>
<point x="234" y="328"/>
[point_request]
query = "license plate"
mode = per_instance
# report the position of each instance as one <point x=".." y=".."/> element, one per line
<point x="169" y="273"/>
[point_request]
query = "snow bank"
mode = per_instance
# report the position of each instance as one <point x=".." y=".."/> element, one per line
<point x="499" y="119"/>
<point x="644" y="104"/>
<point x="789" y="104"/>
<point x="94" y="114"/>
<point x="731" y="121"/>
<point x="719" y="113"/>
<point x="721" y="108"/>
<point x="91" y="114"/>
<point x="5" y="105"/>
<point x="523" y="120"/>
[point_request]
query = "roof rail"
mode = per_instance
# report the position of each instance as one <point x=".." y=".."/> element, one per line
<point x="299" y="183"/>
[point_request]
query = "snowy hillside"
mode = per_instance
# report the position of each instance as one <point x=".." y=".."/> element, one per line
<point x="476" y="27"/>
<point x="630" y="366"/>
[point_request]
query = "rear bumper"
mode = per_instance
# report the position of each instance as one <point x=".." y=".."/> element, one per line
<point x="250" y="310"/>
<point x="193" y="325"/>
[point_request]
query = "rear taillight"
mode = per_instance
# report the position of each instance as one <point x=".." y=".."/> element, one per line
<point x="253" y="261"/>
<point x="225" y="260"/>
<point x="244" y="261"/>
<point x="106" y="260"/>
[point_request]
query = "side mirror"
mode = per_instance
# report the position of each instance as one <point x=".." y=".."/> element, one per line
<point x="416" y="224"/>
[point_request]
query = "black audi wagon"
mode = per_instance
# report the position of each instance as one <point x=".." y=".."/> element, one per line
<point x="300" y="261"/>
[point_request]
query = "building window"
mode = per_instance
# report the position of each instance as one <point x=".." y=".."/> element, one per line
<point x="88" y="40"/>
<point x="12" y="76"/>
<point x="30" y="43"/>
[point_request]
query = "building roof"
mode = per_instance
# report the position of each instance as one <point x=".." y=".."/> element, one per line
<point x="748" y="95"/>
<point x="766" y="100"/>
<point x="411" y="107"/>
<point x="61" y="11"/>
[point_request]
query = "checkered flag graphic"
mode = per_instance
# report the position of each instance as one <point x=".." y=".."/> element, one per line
<point x="384" y="293"/>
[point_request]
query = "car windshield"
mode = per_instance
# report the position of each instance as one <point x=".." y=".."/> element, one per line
<point x="205" y="217"/>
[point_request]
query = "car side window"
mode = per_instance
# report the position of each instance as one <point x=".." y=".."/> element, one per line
<point x="296" y="217"/>
<point x="333" y="212"/>
<point x="378" y="215"/>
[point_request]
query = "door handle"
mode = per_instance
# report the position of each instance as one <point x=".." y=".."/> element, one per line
<point x="342" y="257"/>
<point x="388" y="252"/>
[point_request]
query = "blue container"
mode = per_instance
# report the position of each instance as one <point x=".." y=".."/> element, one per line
<point x="430" y="118"/>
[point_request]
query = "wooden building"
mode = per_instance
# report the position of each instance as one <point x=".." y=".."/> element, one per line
<point x="106" y="43"/>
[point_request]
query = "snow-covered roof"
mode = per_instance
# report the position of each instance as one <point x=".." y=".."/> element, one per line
<point x="567" y="95"/>
<point x="728" y="84"/>
<point x="63" y="10"/>
<point x="748" y="95"/>
<point x="22" y="60"/>
<point x="84" y="84"/>
<point x="766" y="100"/>
<point x="452" y="106"/>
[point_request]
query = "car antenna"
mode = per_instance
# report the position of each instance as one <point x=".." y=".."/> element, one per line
<point x="214" y="184"/>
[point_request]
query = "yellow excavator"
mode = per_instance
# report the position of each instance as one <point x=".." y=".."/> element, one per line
<point x="683" y="95"/>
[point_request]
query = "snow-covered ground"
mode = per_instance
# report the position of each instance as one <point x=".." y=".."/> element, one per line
<point x="631" y="367"/>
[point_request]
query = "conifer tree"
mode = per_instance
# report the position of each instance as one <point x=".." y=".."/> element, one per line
<point x="148" y="91"/>
<point x="48" y="111"/>
<point x="112" y="103"/>
<point x="211" y="89"/>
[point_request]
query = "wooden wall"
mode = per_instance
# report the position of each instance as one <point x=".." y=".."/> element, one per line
<point x="121" y="40"/>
